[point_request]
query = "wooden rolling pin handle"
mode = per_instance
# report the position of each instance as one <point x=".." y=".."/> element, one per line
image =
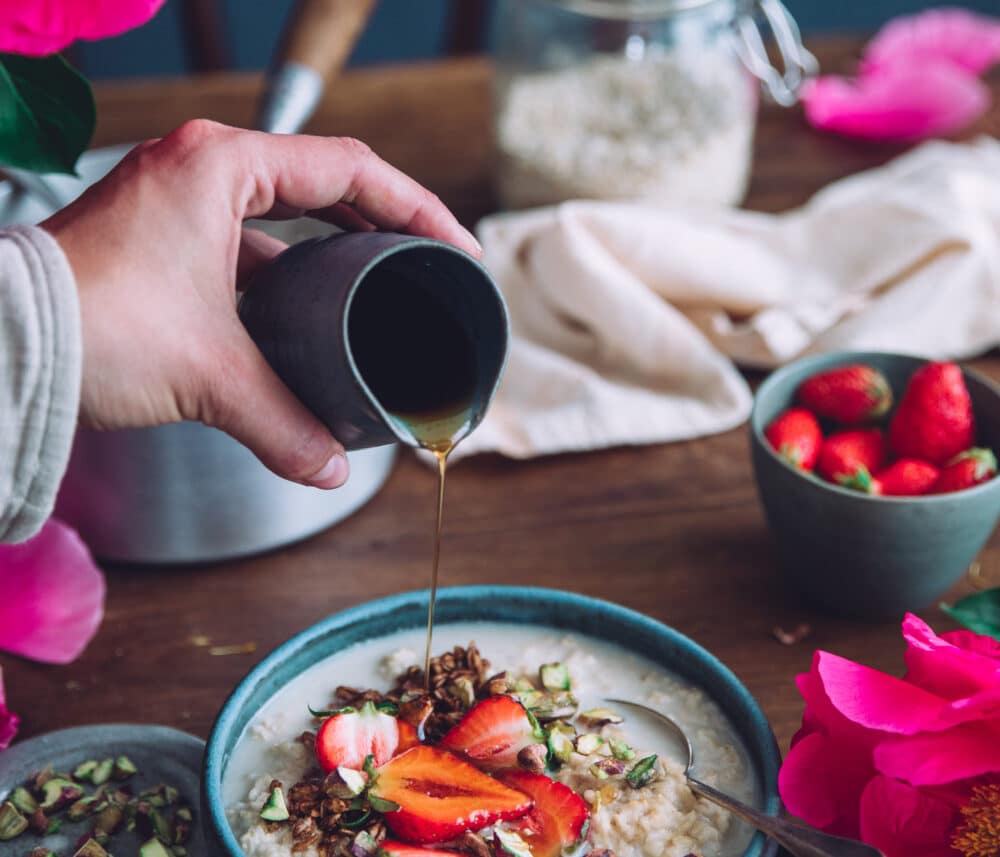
<point x="322" y="33"/>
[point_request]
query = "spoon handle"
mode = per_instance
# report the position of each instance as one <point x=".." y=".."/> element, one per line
<point x="800" y="840"/>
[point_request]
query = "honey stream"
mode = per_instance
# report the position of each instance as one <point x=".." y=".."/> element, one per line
<point x="442" y="463"/>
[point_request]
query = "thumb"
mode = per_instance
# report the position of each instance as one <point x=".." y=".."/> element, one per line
<point x="249" y="401"/>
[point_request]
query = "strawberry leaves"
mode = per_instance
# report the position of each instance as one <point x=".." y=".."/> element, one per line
<point x="47" y="113"/>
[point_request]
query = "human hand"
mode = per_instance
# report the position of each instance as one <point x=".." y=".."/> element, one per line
<point x="159" y="249"/>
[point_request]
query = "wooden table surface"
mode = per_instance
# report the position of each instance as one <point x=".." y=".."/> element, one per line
<point x="673" y="530"/>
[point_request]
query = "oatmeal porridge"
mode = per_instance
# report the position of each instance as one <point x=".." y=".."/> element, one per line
<point x="520" y="729"/>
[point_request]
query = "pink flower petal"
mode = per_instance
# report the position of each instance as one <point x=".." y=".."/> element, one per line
<point x="957" y="37"/>
<point x="8" y="720"/>
<point x="898" y="104"/>
<point x="969" y="750"/>
<point x="53" y="596"/>
<point x="820" y="781"/>
<point x="40" y="27"/>
<point x="822" y="715"/>
<point x="905" y="822"/>
<point x="953" y="666"/>
<point x="878" y="701"/>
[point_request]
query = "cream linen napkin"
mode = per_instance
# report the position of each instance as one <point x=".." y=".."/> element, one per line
<point x="628" y="319"/>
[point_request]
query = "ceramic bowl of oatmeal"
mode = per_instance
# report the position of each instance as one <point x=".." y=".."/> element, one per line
<point x="332" y="745"/>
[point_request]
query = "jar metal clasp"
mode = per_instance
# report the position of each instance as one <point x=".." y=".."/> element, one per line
<point x="783" y="85"/>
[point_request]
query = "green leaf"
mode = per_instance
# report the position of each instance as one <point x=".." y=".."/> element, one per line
<point x="979" y="612"/>
<point x="47" y="113"/>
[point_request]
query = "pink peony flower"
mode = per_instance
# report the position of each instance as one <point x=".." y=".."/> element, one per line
<point x="41" y="27"/>
<point x="911" y="765"/>
<point x="917" y="79"/>
<point x="8" y="720"/>
<point x="53" y="596"/>
<point x="897" y="104"/>
<point x="954" y="37"/>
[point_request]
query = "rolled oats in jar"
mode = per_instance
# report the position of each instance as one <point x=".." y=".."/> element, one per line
<point x="650" y="100"/>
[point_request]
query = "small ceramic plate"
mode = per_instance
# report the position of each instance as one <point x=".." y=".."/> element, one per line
<point x="162" y="755"/>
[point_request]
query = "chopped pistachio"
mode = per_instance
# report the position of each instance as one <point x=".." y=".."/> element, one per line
<point x="554" y="676"/>
<point x="102" y="773"/>
<point x="23" y="800"/>
<point x="91" y="848"/>
<point x="81" y="809"/>
<point x="364" y="844"/>
<point x="496" y="685"/>
<point x="123" y="768"/>
<point x="57" y="793"/>
<point x="556" y="706"/>
<point x="179" y="851"/>
<point x="184" y="814"/>
<point x="560" y="745"/>
<point x="275" y="809"/>
<point x="532" y="758"/>
<point x="595" y="717"/>
<point x="84" y="770"/>
<point x="182" y="831"/>
<point x="171" y="795"/>
<point x="598" y="772"/>
<point x="463" y="690"/>
<point x="153" y="848"/>
<point x="39" y="822"/>
<point x="529" y="698"/>
<point x="12" y="823"/>
<point x="345" y="783"/>
<point x="621" y="750"/>
<point x="523" y="684"/>
<point x="611" y="767"/>
<point x="162" y="828"/>
<point x="110" y="819"/>
<point x="588" y="743"/>
<point x="40" y="778"/>
<point x="642" y="772"/>
<point x="53" y="827"/>
<point x="510" y="843"/>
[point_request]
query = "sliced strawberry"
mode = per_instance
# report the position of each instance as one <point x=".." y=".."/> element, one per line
<point x="558" y="820"/>
<point x="394" y="848"/>
<point x="440" y="796"/>
<point x="348" y="738"/>
<point x="408" y="736"/>
<point x="492" y="733"/>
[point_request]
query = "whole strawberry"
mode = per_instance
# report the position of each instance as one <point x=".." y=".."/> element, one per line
<point x="849" y="394"/>
<point x="850" y="457"/>
<point x="795" y="435"/>
<point x="934" y="420"/>
<point x="965" y="470"/>
<point x="905" y="477"/>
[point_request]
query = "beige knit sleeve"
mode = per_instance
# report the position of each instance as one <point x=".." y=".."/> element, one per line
<point x="40" y="365"/>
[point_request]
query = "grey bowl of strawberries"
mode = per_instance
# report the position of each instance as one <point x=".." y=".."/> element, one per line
<point x="877" y="473"/>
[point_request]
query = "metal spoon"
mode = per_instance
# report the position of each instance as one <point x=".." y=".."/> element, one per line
<point x="800" y="840"/>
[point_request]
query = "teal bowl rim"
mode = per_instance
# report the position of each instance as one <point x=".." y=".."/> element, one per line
<point x="758" y="734"/>
<point x="757" y="431"/>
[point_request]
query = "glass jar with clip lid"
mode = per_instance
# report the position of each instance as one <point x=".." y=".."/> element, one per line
<point x="636" y="99"/>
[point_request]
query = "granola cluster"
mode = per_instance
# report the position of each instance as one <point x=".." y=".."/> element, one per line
<point x="326" y="822"/>
<point x="457" y="679"/>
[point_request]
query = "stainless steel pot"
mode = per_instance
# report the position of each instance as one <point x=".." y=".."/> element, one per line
<point x="189" y="493"/>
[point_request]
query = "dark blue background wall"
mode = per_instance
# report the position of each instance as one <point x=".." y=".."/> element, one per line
<point x="400" y="30"/>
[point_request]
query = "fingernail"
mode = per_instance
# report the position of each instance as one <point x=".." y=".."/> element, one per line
<point x="333" y="474"/>
<point x="475" y="243"/>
